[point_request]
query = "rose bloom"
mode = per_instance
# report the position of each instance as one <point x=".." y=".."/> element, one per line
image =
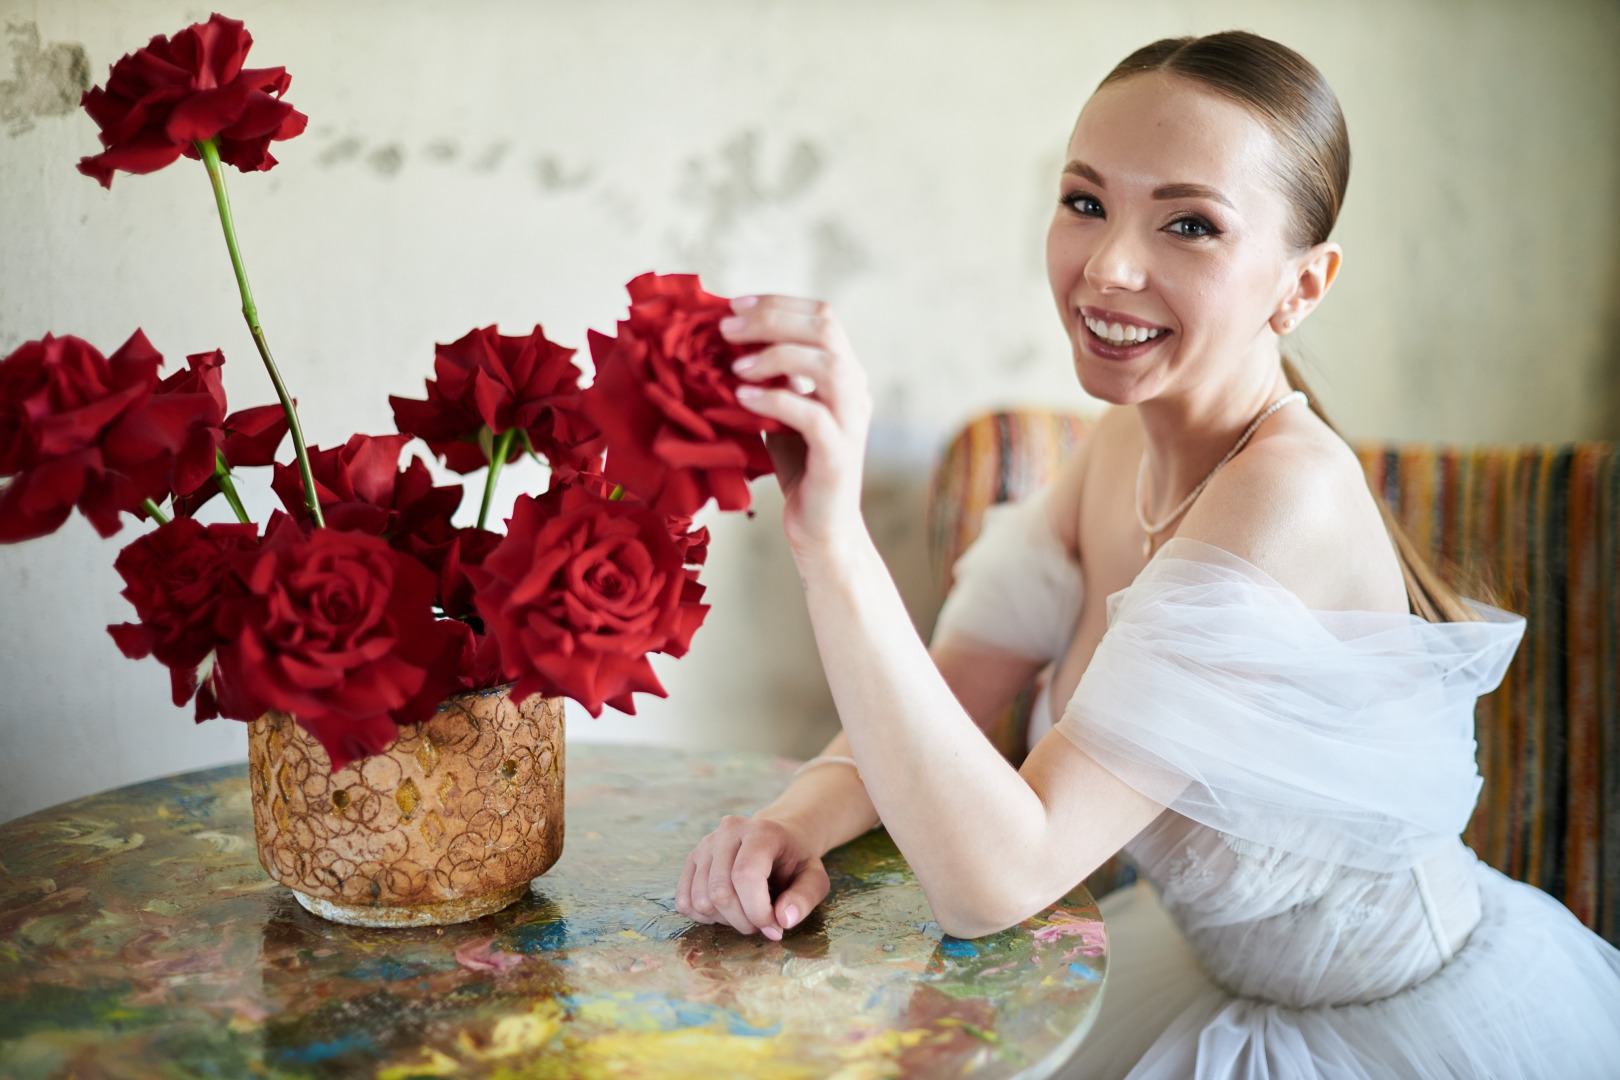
<point x="490" y="380"/>
<point x="448" y="551"/>
<point x="361" y="487"/>
<point x="337" y="629"/>
<point x="80" y="429"/>
<point x="578" y="594"/>
<point x="162" y="99"/>
<point x="201" y="385"/>
<point x="181" y="582"/>
<point x="666" y="401"/>
<point x="248" y="438"/>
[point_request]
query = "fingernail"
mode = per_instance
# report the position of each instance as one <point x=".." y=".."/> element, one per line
<point x="744" y="364"/>
<point x="730" y="324"/>
<point x="749" y="393"/>
<point x="790" y="916"/>
<point x="771" y="932"/>
<point x="743" y="303"/>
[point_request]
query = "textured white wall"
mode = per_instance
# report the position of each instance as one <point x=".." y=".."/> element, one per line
<point x="518" y="162"/>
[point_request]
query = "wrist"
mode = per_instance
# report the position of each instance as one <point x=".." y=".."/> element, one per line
<point x="799" y="824"/>
<point x="839" y="556"/>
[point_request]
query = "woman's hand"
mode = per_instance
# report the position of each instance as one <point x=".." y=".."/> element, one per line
<point x="819" y="460"/>
<point x="730" y="875"/>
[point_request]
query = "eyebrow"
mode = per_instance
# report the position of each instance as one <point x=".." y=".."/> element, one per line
<point x="1191" y="191"/>
<point x="1164" y="191"/>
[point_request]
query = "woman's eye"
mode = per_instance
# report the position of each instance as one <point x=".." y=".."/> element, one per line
<point x="1192" y="227"/>
<point x="1083" y="204"/>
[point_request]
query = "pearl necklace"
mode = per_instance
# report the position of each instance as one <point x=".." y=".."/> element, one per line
<point x="1152" y="529"/>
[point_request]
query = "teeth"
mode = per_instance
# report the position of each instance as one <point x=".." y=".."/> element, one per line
<point x="1121" y="334"/>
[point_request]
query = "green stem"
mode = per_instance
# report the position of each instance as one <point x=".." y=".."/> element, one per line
<point x="222" y="474"/>
<point x="617" y="494"/>
<point x="497" y="458"/>
<point x="250" y="312"/>
<point x="153" y="512"/>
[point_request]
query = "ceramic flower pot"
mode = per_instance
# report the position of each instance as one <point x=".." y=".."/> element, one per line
<point x="449" y="824"/>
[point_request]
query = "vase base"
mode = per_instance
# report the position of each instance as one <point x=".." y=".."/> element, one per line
<point x="443" y="913"/>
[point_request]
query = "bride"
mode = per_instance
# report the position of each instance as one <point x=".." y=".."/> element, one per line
<point x="1256" y="687"/>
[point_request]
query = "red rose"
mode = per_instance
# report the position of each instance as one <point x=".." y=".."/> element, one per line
<point x="487" y="379"/>
<point x="666" y="401"/>
<point x="448" y="551"/>
<point x="201" y="385"/>
<point x="181" y="582"/>
<point x="250" y="438"/>
<point x="338" y="630"/>
<point x="361" y="488"/>
<point x="77" y="428"/>
<point x="162" y="99"/>
<point x="578" y="594"/>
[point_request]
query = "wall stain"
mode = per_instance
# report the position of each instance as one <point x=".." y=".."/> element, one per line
<point x="835" y="256"/>
<point x="491" y="159"/>
<point x="345" y="149"/>
<point x="443" y="150"/>
<point x="49" y="80"/>
<point x="555" y="176"/>
<point x="386" y="161"/>
<point x="731" y="185"/>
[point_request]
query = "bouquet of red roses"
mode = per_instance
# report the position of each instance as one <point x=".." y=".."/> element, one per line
<point x="360" y="606"/>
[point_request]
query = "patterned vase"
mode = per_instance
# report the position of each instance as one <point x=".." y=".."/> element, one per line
<point x="449" y="824"/>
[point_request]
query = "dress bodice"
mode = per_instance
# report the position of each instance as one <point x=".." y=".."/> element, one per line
<point x="1274" y="925"/>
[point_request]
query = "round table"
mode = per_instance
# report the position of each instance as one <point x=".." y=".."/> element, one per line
<point x="140" y="938"/>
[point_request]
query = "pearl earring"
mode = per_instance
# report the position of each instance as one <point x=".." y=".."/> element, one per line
<point x="1288" y="324"/>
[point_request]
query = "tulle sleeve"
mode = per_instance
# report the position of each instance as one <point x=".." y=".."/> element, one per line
<point x="1345" y="736"/>
<point x="1015" y="588"/>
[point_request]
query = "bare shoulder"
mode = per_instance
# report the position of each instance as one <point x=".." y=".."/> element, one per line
<point x="1296" y="504"/>
<point x="1108" y="430"/>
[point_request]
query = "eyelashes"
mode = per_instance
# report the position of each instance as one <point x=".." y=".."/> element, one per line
<point x="1185" y="227"/>
<point x="1083" y="203"/>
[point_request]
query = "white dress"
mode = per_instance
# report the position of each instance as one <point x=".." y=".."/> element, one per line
<point x="1308" y="909"/>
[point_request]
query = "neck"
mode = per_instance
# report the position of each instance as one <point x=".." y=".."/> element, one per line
<point x="1190" y="431"/>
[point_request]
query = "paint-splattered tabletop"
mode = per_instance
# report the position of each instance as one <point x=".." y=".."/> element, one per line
<point x="140" y="938"/>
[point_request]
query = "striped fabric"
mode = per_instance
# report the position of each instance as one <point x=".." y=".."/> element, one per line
<point x="1533" y="529"/>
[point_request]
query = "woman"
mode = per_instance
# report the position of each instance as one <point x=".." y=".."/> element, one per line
<point x="1256" y="687"/>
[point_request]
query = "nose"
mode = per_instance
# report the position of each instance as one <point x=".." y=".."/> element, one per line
<point x="1117" y="264"/>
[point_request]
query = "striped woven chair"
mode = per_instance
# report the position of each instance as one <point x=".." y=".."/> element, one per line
<point x="1535" y="528"/>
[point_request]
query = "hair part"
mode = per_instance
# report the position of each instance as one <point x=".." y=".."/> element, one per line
<point x="1287" y="94"/>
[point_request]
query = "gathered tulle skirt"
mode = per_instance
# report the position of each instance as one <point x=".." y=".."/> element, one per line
<point x="1532" y="993"/>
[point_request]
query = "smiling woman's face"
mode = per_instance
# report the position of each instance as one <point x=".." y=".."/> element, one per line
<point x="1169" y="252"/>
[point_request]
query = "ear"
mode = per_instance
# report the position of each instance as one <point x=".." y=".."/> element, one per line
<point x="1314" y="272"/>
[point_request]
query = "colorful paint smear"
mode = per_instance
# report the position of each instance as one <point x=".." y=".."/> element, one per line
<point x="139" y="937"/>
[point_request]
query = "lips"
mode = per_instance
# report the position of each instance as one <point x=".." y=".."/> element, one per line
<point x="1116" y="336"/>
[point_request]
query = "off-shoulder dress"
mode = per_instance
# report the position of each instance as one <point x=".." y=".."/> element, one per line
<point x="1307" y="909"/>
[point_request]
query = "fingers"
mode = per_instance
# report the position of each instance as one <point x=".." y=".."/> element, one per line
<point x="783" y="320"/>
<point x="728" y="877"/>
<point x="802" y="895"/>
<point x="750" y="879"/>
<point x="722" y="893"/>
<point x="702" y="909"/>
<point x="810" y="418"/>
<point x="683" y="888"/>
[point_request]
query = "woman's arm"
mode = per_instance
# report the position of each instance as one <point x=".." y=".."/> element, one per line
<point x="734" y="872"/>
<point x="990" y="845"/>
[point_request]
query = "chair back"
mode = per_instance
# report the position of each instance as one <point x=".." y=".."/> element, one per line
<point x="1534" y="529"/>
